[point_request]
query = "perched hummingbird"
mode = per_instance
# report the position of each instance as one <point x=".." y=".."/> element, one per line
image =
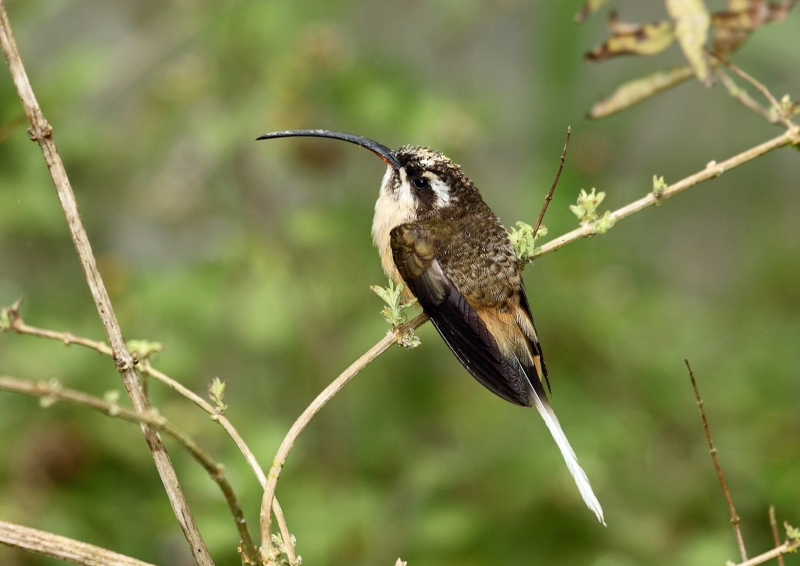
<point x="437" y="236"/>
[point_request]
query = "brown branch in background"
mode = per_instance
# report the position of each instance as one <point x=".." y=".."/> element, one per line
<point x="742" y="96"/>
<point x="775" y="536"/>
<point x="713" y="451"/>
<point x="303" y="420"/>
<point x="42" y="132"/>
<point x="62" y="548"/>
<point x="549" y="196"/>
<point x="779" y="113"/>
<point x="53" y="391"/>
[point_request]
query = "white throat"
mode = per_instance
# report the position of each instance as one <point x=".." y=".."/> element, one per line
<point x="396" y="205"/>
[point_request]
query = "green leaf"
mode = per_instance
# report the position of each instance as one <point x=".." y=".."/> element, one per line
<point x="395" y="311"/>
<point x="524" y="240"/>
<point x="216" y="392"/>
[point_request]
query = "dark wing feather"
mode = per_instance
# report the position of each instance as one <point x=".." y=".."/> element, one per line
<point x="414" y="252"/>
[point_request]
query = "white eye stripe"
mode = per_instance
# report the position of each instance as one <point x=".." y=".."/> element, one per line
<point x="440" y="189"/>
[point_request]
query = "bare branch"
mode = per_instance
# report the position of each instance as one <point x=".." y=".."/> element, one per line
<point x="303" y="420"/>
<point x="17" y="324"/>
<point x="742" y="96"/>
<point x="712" y="170"/>
<point x="63" y="548"/>
<point x="782" y="118"/>
<point x="785" y="548"/>
<point x="713" y="451"/>
<point x="55" y="392"/>
<point x="42" y="132"/>
<point x="775" y="536"/>
<point x="549" y="196"/>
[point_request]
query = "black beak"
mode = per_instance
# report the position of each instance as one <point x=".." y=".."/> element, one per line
<point x="386" y="154"/>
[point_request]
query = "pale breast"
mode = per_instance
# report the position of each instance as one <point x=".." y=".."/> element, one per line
<point x="396" y="205"/>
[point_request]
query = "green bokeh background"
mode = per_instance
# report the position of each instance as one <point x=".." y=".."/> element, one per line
<point x="252" y="262"/>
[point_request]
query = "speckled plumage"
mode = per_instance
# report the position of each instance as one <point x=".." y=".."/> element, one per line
<point x="449" y="223"/>
<point x="435" y="234"/>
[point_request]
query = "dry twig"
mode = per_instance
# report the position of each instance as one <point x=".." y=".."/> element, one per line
<point x="785" y="548"/>
<point x="63" y="548"/>
<point x="776" y="106"/>
<point x="549" y="196"/>
<point x="42" y="132"/>
<point x="147" y="369"/>
<point x="775" y="536"/>
<point x="713" y="452"/>
<point x="742" y="96"/>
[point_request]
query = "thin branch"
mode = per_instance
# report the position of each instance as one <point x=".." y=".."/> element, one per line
<point x="785" y="548"/>
<point x="549" y="196"/>
<point x="42" y="132"/>
<point x="713" y="451"/>
<point x="712" y="170"/>
<point x="742" y="96"/>
<point x="54" y="392"/>
<point x="303" y="420"/>
<point x="62" y="548"/>
<point x="17" y="324"/>
<point x="775" y="536"/>
<point x="781" y="116"/>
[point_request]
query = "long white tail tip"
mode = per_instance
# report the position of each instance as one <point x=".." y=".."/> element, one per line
<point x="569" y="457"/>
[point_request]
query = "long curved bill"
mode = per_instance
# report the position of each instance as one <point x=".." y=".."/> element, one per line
<point x="386" y="154"/>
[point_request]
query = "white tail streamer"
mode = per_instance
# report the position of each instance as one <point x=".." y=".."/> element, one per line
<point x="569" y="455"/>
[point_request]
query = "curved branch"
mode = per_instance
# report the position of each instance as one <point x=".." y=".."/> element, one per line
<point x="302" y="421"/>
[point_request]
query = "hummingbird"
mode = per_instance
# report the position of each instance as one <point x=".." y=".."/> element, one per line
<point x="437" y="236"/>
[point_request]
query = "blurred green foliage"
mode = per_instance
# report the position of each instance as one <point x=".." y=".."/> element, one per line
<point x="252" y="262"/>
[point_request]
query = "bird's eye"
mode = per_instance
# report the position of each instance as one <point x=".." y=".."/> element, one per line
<point x="421" y="183"/>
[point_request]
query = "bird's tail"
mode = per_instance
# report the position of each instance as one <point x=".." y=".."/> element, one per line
<point x="568" y="453"/>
